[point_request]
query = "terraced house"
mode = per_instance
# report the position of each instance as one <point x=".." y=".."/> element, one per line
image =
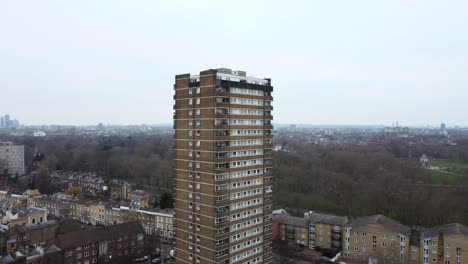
<point x="223" y="157"/>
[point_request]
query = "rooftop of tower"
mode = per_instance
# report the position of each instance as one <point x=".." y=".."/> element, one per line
<point x="233" y="75"/>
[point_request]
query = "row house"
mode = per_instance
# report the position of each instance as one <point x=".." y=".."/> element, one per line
<point x="17" y="199"/>
<point x="23" y="216"/>
<point x="22" y="238"/>
<point x="57" y="205"/>
<point x="155" y="222"/>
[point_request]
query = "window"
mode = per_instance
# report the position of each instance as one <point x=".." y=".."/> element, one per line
<point x="190" y="101"/>
<point x="190" y="91"/>
<point x="190" y="111"/>
<point x="78" y="256"/>
<point x="198" y="100"/>
<point x="198" y="90"/>
<point x="197" y="112"/>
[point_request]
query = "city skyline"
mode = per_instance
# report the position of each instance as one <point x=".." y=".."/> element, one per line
<point x="350" y="63"/>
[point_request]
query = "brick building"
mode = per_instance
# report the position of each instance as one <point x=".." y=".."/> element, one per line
<point x="446" y="244"/>
<point x="223" y="162"/>
<point x="376" y="238"/>
<point x="325" y="230"/>
<point x="112" y="244"/>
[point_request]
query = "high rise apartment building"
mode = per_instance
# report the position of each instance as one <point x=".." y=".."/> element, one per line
<point x="223" y="162"/>
<point x="11" y="158"/>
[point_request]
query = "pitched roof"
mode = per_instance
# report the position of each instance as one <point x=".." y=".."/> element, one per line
<point x="379" y="219"/>
<point x="83" y="237"/>
<point x="53" y="248"/>
<point x="449" y="229"/>
<point x="70" y="225"/>
<point x="286" y="219"/>
<point x="329" y="219"/>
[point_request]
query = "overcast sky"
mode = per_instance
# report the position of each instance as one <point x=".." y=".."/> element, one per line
<point x="331" y="62"/>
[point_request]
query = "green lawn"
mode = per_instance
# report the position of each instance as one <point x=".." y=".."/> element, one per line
<point x="455" y="166"/>
<point x="439" y="177"/>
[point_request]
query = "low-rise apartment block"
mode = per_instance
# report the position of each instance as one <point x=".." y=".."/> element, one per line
<point x="325" y="230"/>
<point x="112" y="244"/>
<point x="446" y="244"/>
<point x="376" y="238"/>
<point x="290" y="228"/>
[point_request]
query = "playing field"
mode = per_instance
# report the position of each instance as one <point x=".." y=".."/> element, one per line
<point x="455" y="166"/>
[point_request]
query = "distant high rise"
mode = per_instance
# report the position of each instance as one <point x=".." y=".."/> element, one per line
<point x="7" y="121"/>
<point x="442" y="126"/>
<point x="292" y="128"/>
<point x="223" y="163"/>
<point x="2" y="122"/>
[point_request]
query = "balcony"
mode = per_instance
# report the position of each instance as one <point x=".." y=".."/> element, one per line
<point x="223" y="125"/>
<point x="336" y="244"/>
<point x="222" y="242"/>
<point x="336" y="229"/>
<point x="222" y="90"/>
<point x="222" y="147"/>
<point x="220" y="210"/>
<point x="222" y="231"/>
<point x="222" y="101"/>
<point x="221" y="111"/>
